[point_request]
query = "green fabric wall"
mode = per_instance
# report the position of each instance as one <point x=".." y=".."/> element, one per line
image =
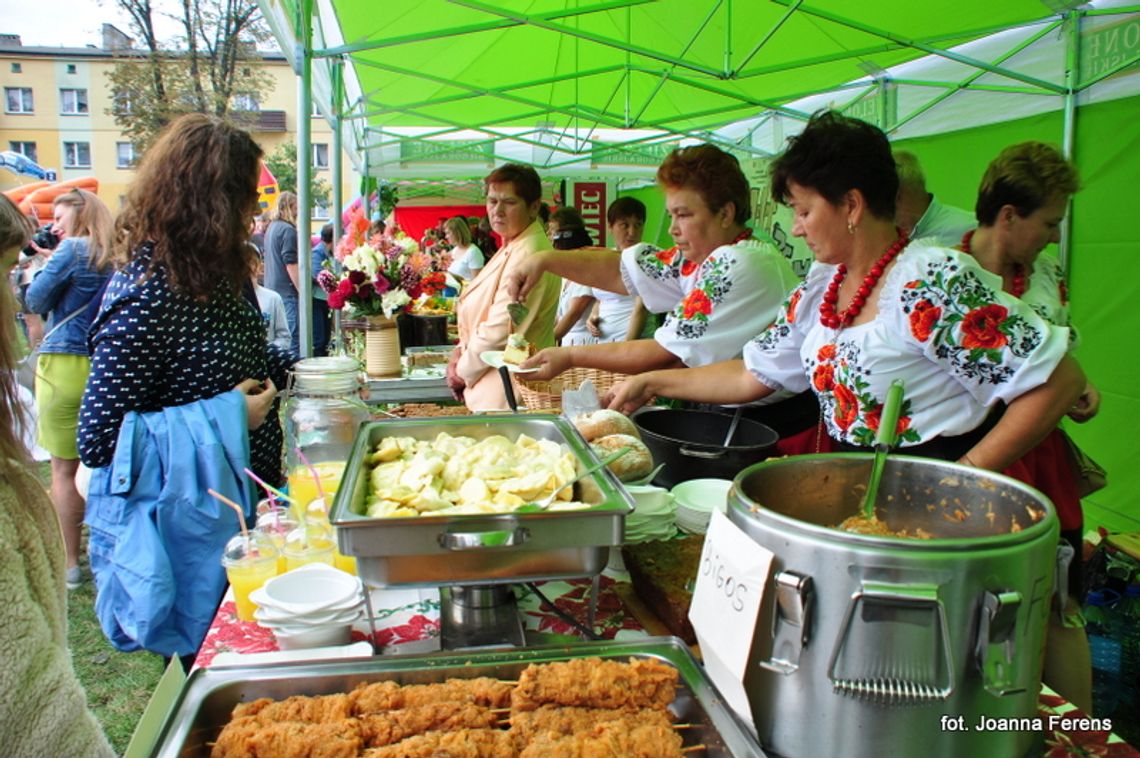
<point x="656" y="220"/>
<point x="1103" y="277"/>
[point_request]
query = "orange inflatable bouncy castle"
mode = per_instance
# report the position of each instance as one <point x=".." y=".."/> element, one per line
<point x="39" y="201"/>
<point x="17" y="194"/>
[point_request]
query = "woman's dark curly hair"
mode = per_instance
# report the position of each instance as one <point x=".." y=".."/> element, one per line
<point x="193" y="198"/>
<point x="835" y="154"/>
<point x="711" y="173"/>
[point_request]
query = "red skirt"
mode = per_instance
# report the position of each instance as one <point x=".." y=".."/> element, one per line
<point x="1049" y="468"/>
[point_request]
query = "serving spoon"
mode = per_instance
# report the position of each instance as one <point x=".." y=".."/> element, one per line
<point x="884" y="441"/>
<point x="547" y="501"/>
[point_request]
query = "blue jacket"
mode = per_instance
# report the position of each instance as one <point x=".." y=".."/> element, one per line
<point x="156" y="535"/>
<point x="62" y="287"/>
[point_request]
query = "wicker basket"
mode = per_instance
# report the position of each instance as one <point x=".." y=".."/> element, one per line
<point x="547" y="396"/>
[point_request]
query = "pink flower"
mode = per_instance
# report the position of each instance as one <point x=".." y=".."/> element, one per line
<point x="380" y="284"/>
<point x="336" y="300"/>
<point x="327" y="281"/>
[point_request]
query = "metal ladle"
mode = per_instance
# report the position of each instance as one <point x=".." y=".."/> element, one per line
<point x="884" y="441"/>
<point x="732" y="426"/>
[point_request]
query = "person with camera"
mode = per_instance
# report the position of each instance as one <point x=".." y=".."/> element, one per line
<point x="64" y="288"/>
<point x="31" y="260"/>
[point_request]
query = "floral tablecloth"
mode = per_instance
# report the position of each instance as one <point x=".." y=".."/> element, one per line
<point x="407" y="621"/>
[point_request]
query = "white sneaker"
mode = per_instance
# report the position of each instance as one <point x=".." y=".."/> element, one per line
<point x="74" y="578"/>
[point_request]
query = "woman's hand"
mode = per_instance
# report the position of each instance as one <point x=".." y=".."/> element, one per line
<point x="550" y="363"/>
<point x="259" y="398"/>
<point x="594" y="326"/>
<point x="1087" y="405"/>
<point x="629" y="395"/>
<point x="523" y="278"/>
<point x="455" y="382"/>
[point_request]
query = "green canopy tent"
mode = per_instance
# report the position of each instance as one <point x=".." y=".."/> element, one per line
<point x="446" y="88"/>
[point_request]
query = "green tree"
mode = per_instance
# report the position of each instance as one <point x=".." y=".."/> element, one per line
<point x="209" y="68"/>
<point x="282" y="163"/>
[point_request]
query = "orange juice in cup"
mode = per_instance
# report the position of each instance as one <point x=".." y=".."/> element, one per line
<point x="250" y="561"/>
<point x="275" y="525"/>
<point x="312" y="543"/>
<point x="302" y="487"/>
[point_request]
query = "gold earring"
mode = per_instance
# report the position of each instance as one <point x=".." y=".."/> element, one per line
<point x="850" y="227"/>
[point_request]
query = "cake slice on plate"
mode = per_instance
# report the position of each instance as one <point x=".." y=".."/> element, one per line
<point x="518" y="349"/>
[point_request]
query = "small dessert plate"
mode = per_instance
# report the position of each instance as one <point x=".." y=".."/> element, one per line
<point x="494" y="359"/>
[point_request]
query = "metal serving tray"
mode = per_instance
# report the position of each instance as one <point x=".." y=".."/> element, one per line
<point x="210" y="695"/>
<point x="508" y="548"/>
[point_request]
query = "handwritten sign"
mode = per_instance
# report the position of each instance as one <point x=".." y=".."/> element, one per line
<point x="731" y="579"/>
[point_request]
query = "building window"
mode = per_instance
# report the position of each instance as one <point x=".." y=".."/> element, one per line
<point x="17" y="68"/>
<point x="246" y="101"/>
<point x="77" y="155"/>
<point x="320" y="155"/>
<point x="73" y="102"/>
<point x="71" y="68"/>
<point x="18" y="100"/>
<point x="122" y="103"/>
<point x="26" y="149"/>
<point x="124" y="155"/>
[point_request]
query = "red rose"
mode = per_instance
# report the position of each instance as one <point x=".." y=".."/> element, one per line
<point x="346" y="288"/>
<point x="792" y="303"/>
<point x="826" y="353"/>
<point x="336" y="301"/>
<point x="912" y="285"/>
<point x="874" y="416"/>
<point x="688" y="267"/>
<point x="1063" y="292"/>
<point x="846" y="407"/>
<point x="696" y="302"/>
<point x="380" y="284"/>
<point x="823" y="379"/>
<point x="980" y="327"/>
<point x="923" y="318"/>
<point x="357" y="277"/>
<point x="666" y="256"/>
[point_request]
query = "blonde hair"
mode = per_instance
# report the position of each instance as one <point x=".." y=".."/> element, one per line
<point x="15" y="231"/>
<point x="93" y="220"/>
<point x="457" y="225"/>
<point x="1026" y="175"/>
<point x="286" y="208"/>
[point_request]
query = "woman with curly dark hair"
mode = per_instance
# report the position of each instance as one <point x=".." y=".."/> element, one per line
<point x="179" y="328"/>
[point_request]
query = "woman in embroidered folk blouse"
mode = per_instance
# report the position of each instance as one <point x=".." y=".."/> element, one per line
<point x="929" y="317"/>
<point x="718" y="286"/>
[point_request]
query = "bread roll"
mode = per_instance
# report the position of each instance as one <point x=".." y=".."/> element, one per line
<point x="633" y="465"/>
<point x="600" y="423"/>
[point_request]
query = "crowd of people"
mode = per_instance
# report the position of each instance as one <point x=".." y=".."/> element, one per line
<point x="159" y="310"/>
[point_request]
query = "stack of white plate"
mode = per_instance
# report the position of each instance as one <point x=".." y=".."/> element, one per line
<point x="653" y="517"/>
<point x="696" y="500"/>
<point x="311" y="606"/>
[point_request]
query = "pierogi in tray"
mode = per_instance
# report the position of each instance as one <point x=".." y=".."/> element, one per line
<point x="458" y="475"/>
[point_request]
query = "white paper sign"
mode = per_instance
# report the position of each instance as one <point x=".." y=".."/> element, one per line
<point x="731" y="579"/>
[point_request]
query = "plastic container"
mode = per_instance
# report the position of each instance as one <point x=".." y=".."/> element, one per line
<point x="323" y="410"/>
<point x="312" y="543"/>
<point x="250" y="561"/>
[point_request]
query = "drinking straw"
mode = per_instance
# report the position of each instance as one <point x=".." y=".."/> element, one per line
<point x="269" y="489"/>
<point x="238" y="509"/>
<point x="315" y="475"/>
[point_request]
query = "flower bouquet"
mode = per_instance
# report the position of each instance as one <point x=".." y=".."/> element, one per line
<point x="377" y="283"/>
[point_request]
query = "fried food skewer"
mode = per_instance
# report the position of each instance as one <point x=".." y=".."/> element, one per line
<point x="464" y="743"/>
<point x="596" y="683"/>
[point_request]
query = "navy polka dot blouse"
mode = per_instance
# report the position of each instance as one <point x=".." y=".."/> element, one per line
<point x="152" y="348"/>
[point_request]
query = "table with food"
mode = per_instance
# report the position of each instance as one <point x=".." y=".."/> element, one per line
<point x="361" y="647"/>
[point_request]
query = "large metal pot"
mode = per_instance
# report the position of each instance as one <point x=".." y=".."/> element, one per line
<point x="881" y="644"/>
<point x="691" y="443"/>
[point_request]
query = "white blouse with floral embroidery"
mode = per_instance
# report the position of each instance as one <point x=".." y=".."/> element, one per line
<point x="1048" y="295"/>
<point x="958" y="343"/>
<point x="713" y="308"/>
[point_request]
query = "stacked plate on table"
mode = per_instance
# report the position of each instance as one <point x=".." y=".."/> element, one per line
<point x="311" y="606"/>
<point x="653" y="517"/>
<point x="696" y="499"/>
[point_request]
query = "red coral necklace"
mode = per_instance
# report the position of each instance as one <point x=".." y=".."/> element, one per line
<point x="746" y="234"/>
<point x="1017" y="289"/>
<point x="827" y="314"/>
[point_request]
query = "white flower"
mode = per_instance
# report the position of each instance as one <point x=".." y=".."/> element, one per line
<point x="392" y="300"/>
<point x="364" y="259"/>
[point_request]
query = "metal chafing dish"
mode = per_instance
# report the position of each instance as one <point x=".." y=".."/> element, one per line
<point x="430" y="551"/>
<point x="475" y="559"/>
<point x="210" y="695"/>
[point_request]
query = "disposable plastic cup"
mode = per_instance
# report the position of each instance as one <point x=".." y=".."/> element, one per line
<point x="249" y="562"/>
<point x="302" y="487"/>
<point x="312" y="543"/>
<point x="276" y="525"/>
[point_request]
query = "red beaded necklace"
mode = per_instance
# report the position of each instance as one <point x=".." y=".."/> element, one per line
<point x="827" y="314"/>
<point x="746" y="234"/>
<point x="1017" y="289"/>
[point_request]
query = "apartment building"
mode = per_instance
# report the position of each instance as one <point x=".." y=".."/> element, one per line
<point x="56" y="112"/>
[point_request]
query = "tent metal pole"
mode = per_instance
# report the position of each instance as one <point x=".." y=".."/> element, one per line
<point x="1069" y="133"/>
<point x="304" y="178"/>
<point x="337" y="180"/>
<point x="366" y="196"/>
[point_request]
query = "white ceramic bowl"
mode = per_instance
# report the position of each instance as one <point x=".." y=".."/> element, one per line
<point x="321" y="636"/>
<point x="267" y="615"/>
<point x="291" y="627"/>
<point x="702" y="495"/>
<point x="308" y="589"/>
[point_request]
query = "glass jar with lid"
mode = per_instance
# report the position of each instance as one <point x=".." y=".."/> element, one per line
<point x="323" y="411"/>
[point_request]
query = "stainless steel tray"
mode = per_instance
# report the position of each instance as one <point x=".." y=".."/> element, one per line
<point x="210" y="695"/>
<point x="430" y="551"/>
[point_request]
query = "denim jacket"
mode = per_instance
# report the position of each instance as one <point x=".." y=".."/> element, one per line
<point x="156" y="535"/>
<point x="62" y="287"/>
